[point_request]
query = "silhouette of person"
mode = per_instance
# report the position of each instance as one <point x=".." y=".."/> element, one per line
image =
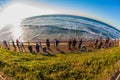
<point x="48" y="43"/>
<point x="74" y="43"/>
<point x="30" y="48"/>
<point x="37" y="47"/>
<point x="110" y="44"/>
<point x="56" y="43"/>
<point x="100" y="45"/>
<point x="22" y="46"/>
<point x="69" y="44"/>
<point x="5" y="44"/>
<point x="17" y="43"/>
<point x="107" y="42"/>
<point x="13" y="43"/>
<point x="80" y="43"/>
<point x="96" y="43"/>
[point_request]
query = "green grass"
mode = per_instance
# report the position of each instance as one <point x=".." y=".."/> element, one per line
<point x="98" y="65"/>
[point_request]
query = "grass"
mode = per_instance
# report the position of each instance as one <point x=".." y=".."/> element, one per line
<point x="98" y="65"/>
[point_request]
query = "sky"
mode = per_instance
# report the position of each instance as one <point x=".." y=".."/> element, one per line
<point x="14" y="11"/>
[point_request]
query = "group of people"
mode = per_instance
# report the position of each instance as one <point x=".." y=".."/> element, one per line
<point x="102" y="44"/>
<point x="72" y="44"/>
<point x="19" y="46"/>
<point x="38" y="46"/>
<point x="56" y="43"/>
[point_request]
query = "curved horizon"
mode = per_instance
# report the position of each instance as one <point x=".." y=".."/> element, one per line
<point x="88" y="8"/>
<point x="100" y="21"/>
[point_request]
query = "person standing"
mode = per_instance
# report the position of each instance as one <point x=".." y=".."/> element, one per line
<point x="13" y="43"/>
<point x="30" y="48"/>
<point x="69" y="44"/>
<point x="56" y="43"/>
<point x="22" y="47"/>
<point x="5" y="44"/>
<point x="107" y="42"/>
<point x="74" y="43"/>
<point x="80" y="43"/>
<point x="48" y="43"/>
<point x="37" y="47"/>
<point x="17" y="43"/>
<point x="100" y="45"/>
<point x="96" y="43"/>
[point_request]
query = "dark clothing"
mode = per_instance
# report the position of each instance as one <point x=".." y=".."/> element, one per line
<point x="74" y="43"/>
<point x="37" y="48"/>
<point x="14" y="45"/>
<point x="100" y="45"/>
<point x="22" y="47"/>
<point x="6" y="45"/>
<point x="30" y="49"/>
<point x="48" y="43"/>
<point x="69" y="44"/>
<point x="107" y="43"/>
<point x="56" y="43"/>
<point x="17" y="42"/>
<point x="80" y="43"/>
<point x="96" y="42"/>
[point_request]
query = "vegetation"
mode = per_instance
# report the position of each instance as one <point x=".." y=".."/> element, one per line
<point x="97" y="65"/>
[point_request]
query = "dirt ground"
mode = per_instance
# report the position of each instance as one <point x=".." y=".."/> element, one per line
<point x="5" y="77"/>
<point x="62" y="48"/>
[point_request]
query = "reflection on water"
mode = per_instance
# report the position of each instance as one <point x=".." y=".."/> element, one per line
<point x="17" y="33"/>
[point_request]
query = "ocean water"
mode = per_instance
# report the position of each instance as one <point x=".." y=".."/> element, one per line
<point x="61" y="27"/>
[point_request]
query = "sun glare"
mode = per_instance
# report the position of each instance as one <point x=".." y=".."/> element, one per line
<point x="15" y="12"/>
<point x="17" y="33"/>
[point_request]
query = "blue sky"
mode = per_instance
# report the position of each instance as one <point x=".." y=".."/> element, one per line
<point x="3" y="2"/>
<point x="107" y="10"/>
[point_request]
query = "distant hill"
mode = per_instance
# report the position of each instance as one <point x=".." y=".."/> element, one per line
<point x="62" y="27"/>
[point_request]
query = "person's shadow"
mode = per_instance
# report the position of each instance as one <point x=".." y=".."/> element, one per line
<point x="50" y="49"/>
<point x="60" y="51"/>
